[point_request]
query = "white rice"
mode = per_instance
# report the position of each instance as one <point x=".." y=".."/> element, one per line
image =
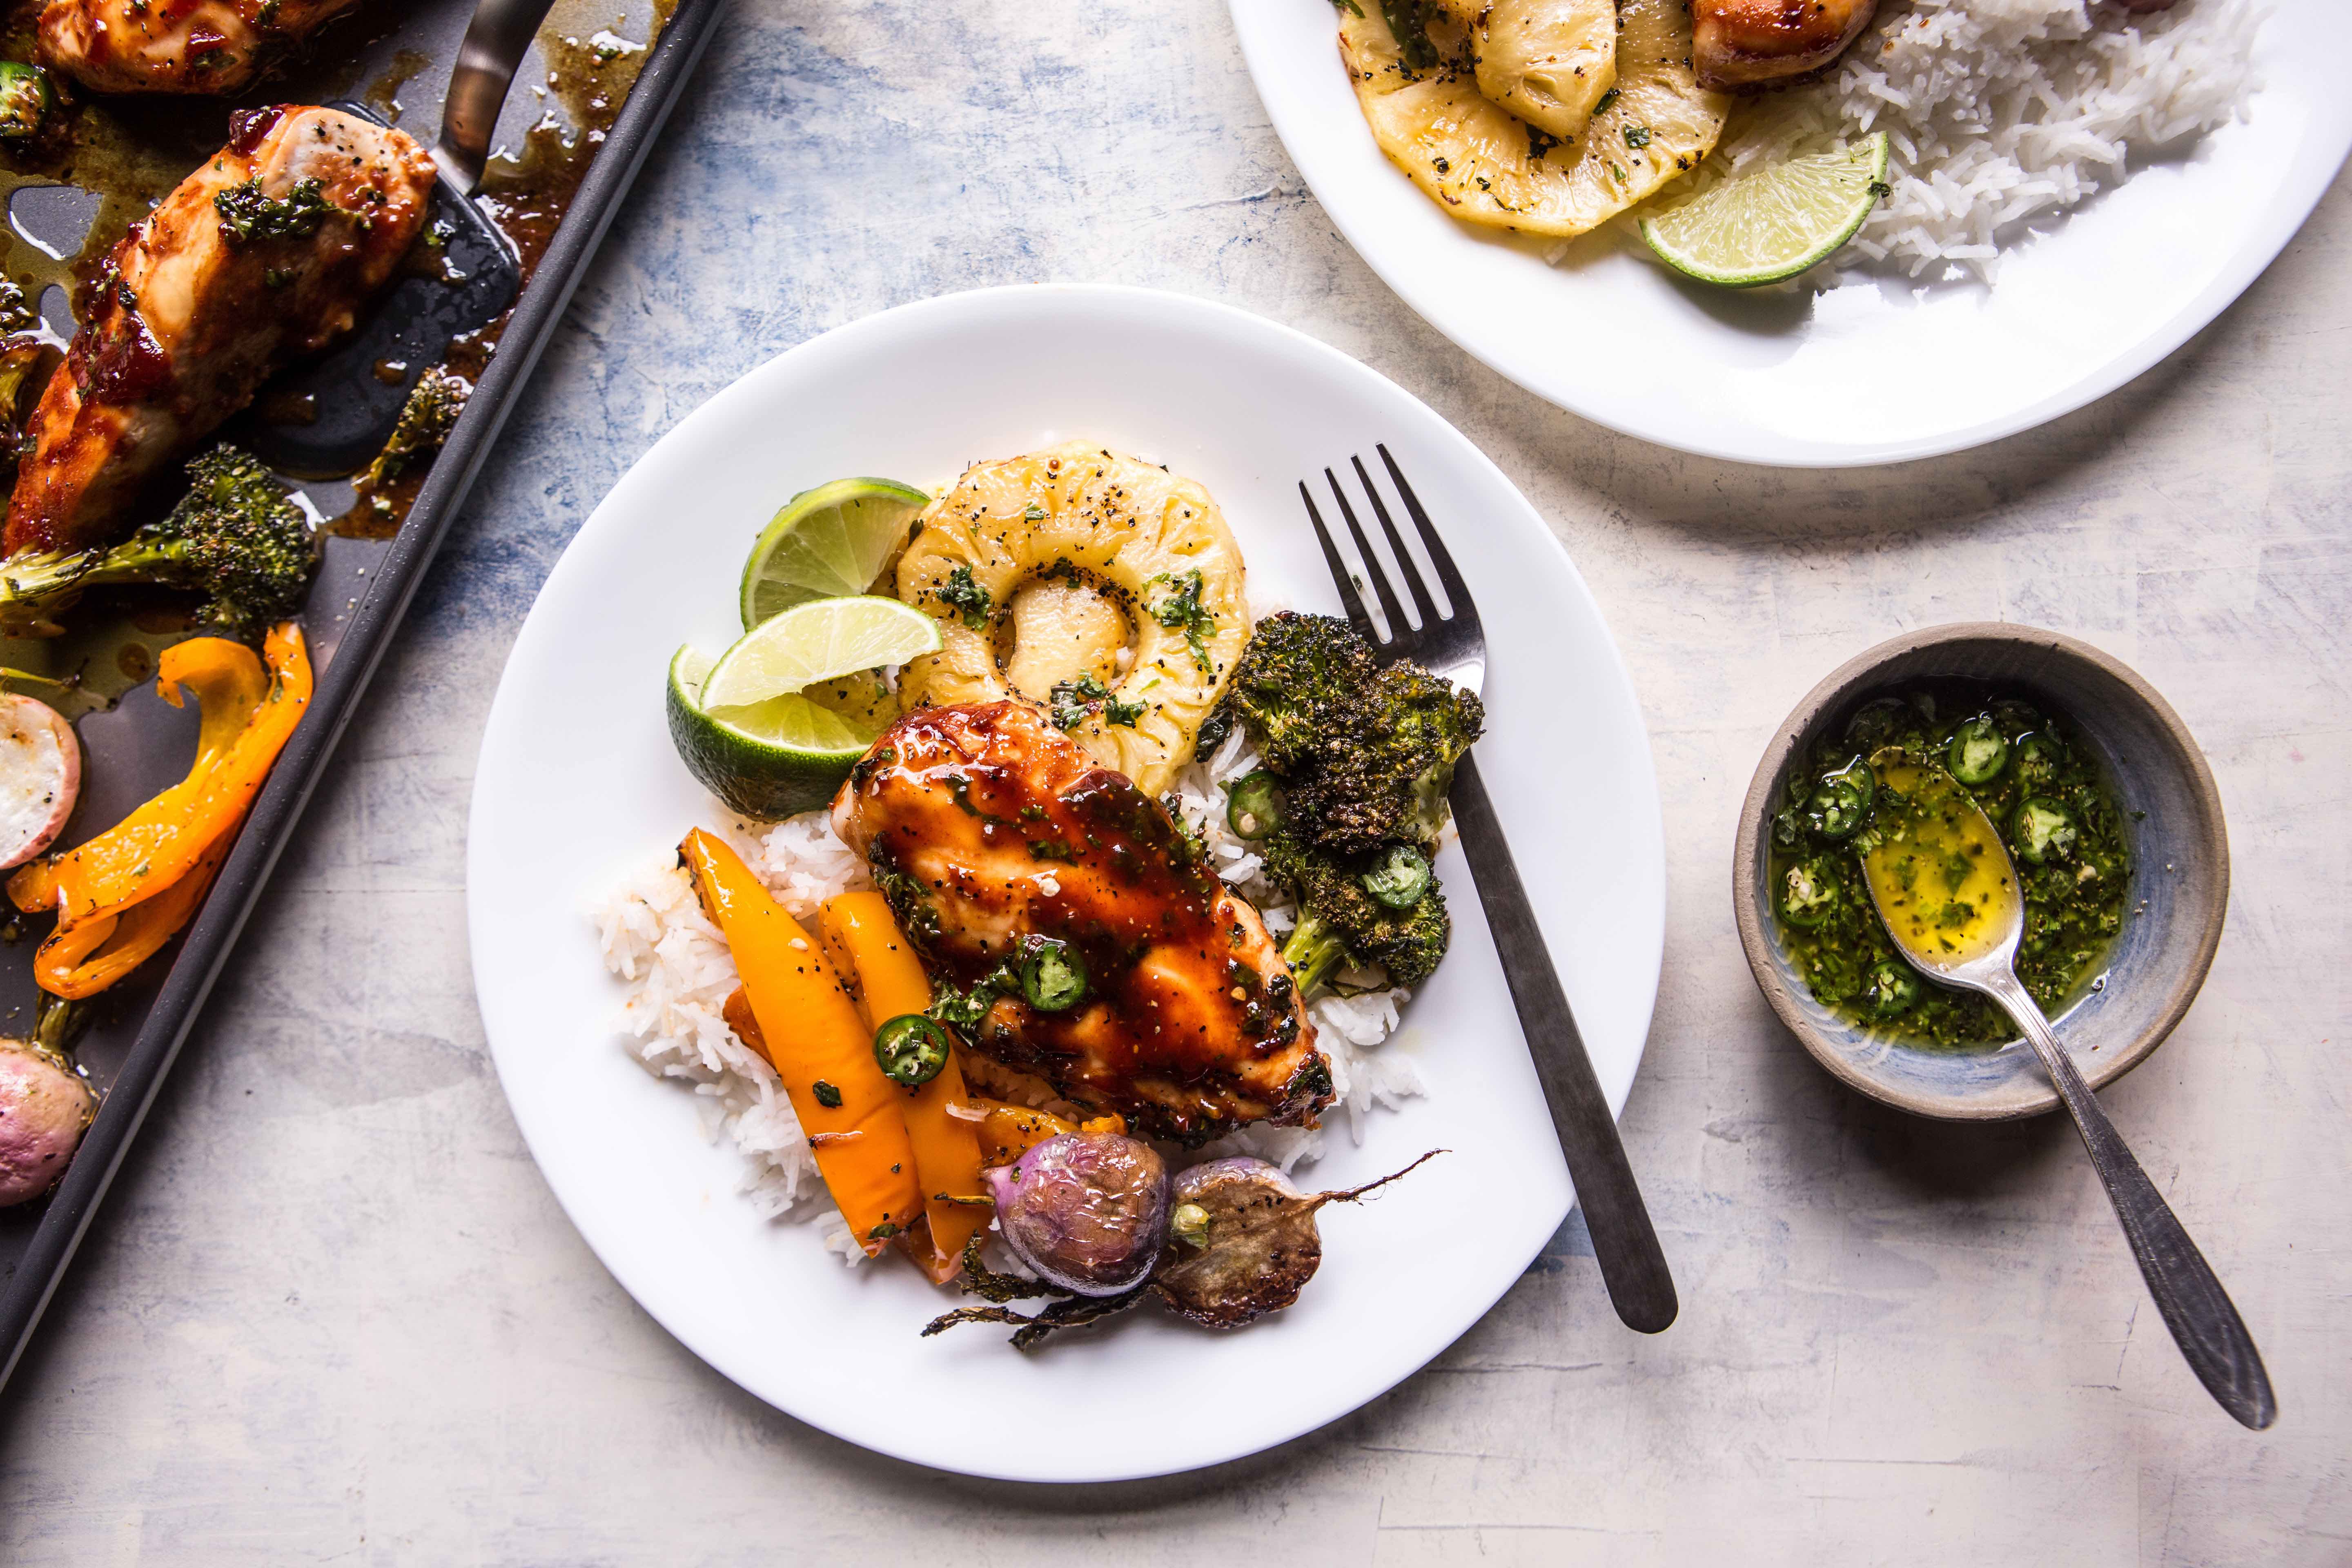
<point x="2001" y="112"/>
<point x="677" y="975"/>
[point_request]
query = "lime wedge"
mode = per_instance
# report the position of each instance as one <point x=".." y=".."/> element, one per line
<point x="827" y="543"/>
<point x="1774" y="223"/>
<point x="780" y="757"/>
<point x="818" y="641"/>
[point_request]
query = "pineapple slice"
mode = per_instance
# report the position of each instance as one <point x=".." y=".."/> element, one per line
<point x="1489" y="166"/>
<point x="1546" y="61"/>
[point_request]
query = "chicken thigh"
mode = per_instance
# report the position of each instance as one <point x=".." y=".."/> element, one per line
<point x="265" y="254"/>
<point x="1754" y="43"/>
<point x="996" y="837"/>
<point x="211" y="47"/>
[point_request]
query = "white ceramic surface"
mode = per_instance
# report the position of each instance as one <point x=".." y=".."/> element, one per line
<point x="1869" y="373"/>
<point x="577" y="781"/>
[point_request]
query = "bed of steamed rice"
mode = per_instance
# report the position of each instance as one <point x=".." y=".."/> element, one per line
<point x="677" y="975"/>
<point x="2001" y="112"/>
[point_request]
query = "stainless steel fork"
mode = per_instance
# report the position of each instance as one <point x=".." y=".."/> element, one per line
<point x="1451" y="643"/>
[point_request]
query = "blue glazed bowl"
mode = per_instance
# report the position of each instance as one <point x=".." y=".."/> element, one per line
<point x="2180" y="875"/>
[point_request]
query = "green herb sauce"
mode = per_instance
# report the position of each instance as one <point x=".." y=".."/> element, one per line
<point x="2051" y="803"/>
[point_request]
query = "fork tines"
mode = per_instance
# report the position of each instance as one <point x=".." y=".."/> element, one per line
<point x="1455" y="625"/>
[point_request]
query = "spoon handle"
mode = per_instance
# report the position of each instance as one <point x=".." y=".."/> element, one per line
<point x="2206" y="1325"/>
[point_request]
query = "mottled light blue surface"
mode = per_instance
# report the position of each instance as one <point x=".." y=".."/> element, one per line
<point x="331" y="1312"/>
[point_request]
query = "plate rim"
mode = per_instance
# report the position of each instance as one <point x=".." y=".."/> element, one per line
<point x="2300" y="195"/>
<point x="949" y="305"/>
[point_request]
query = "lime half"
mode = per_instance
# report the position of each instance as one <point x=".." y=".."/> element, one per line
<point x="785" y="756"/>
<point x="818" y="641"/>
<point x="804" y="697"/>
<point x="1774" y="223"/>
<point x="827" y="543"/>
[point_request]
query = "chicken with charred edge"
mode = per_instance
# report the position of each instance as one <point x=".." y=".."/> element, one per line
<point x="1075" y="932"/>
<point x="198" y="47"/>
<point x="267" y="253"/>
<point x="1739" y="44"/>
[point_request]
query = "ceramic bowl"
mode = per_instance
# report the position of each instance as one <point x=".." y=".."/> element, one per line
<point x="2180" y="872"/>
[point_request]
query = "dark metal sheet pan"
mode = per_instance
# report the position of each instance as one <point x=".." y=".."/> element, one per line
<point x="364" y="590"/>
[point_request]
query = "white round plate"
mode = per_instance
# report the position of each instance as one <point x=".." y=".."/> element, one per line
<point x="1863" y="374"/>
<point x="578" y="784"/>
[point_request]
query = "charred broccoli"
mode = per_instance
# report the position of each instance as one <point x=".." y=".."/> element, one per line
<point x="1362" y="755"/>
<point x="1365" y="753"/>
<point x="235" y="538"/>
<point x="1342" y="924"/>
<point x="426" y="421"/>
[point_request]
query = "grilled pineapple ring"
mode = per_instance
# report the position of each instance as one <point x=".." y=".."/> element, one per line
<point x="1546" y="61"/>
<point x="1480" y="161"/>
<point x="1153" y="541"/>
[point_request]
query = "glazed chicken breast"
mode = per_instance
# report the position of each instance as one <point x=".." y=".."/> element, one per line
<point x="213" y="47"/>
<point x="994" y="835"/>
<point x="265" y="254"/>
<point x="1753" y="43"/>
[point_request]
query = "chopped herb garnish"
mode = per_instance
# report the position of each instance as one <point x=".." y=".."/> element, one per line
<point x="1180" y="610"/>
<point x="1881" y="189"/>
<point x="826" y="1095"/>
<point x="1072" y="701"/>
<point x="246" y="215"/>
<point x="967" y="598"/>
<point x="1637" y="136"/>
<point x="964" y="1009"/>
<point x="1122" y="714"/>
<point x="1606" y="99"/>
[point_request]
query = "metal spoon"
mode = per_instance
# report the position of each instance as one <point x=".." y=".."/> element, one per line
<point x="1979" y="953"/>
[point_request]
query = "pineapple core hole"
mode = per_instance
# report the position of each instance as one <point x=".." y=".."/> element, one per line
<point x="1062" y="631"/>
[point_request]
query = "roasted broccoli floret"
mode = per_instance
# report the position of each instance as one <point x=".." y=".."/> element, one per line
<point x="235" y="538"/>
<point x="1365" y="753"/>
<point x="425" y="420"/>
<point x="1341" y="924"/>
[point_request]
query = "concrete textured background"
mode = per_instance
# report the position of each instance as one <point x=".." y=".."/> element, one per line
<point x="333" y="1312"/>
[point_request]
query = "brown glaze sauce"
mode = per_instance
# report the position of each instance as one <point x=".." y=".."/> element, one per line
<point x="128" y="154"/>
<point x="1189" y="1014"/>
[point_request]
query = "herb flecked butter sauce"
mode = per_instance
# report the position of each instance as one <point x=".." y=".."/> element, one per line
<point x="1874" y="800"/>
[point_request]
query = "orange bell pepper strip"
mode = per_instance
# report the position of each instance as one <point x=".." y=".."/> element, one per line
<point x="946" y="1144"/>
<point x="813" y="1037"/>
<point x="1008" y="1130"/>
<point x="245" y="725"/>
<point x="95" y="954"/>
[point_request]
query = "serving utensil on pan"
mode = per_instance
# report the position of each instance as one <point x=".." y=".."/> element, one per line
<point x="1451" y="643"/>
<point x="1980" y="956"/>
<point x="351" y="398"/>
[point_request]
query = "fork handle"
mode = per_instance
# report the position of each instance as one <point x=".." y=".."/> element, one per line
<point x="1623" y="1241"/>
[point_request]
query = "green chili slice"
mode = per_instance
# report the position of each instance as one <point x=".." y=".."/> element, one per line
<point x="1398" y="876"/>
<point x="1978" y="752"/>
<point x="2044" y="831"/>
<point x="910" y="1048"/>
<point x="1891" y="988"/>
<point x="1053" y="976"/>
<point x="1808" y="894"/>
<point x="1253" y="805"/>
<point x="1840" y="803"/>
<point x="2040" y="758"/>
<point x="1874" y="723"/>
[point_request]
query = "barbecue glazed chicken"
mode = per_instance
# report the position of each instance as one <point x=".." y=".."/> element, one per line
<point x="1755" y="43"/>
<point x="210" y="47"/>
<point x="995" y="838"/>
<point x="265" y="254"/>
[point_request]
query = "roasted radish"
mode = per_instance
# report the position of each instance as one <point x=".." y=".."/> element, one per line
<point x="43" y="1110"/>
<point x="40" y="775"/>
